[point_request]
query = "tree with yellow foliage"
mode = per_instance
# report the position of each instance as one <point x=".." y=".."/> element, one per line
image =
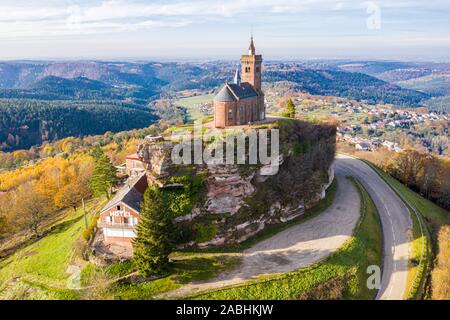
<point x="31" y="208"/>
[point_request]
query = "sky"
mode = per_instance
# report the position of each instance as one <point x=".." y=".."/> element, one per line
<point x="211" y="29"/>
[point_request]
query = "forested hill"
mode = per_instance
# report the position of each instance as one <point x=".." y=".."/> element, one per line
<point x="133" y="80"/>
<point x="24" y="123"/>
<point x="348" y="85"/>
<point x="81" y="88"/>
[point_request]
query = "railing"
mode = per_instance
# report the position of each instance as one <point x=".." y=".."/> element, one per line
<point x="102" y="224"/>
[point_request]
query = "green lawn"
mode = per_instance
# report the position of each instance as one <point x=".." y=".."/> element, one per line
<point x="191" y="103"/>
<point x="184" y="270"/>
<point x="340" y="276"/>
<point x="45" y="261"/>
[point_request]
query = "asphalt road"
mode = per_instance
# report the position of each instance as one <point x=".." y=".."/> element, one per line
<point x="396" y="224"/>
<point x="296" y="247"/>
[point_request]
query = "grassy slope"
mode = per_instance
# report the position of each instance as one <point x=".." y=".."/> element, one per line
<point x="44" y="262"/>
<point x="41" y="266"/>
<point x="432" y="217"/>
<point x="183" y="271"/>
<point x="341" y="275"/>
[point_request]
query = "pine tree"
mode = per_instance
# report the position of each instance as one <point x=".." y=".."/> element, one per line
<point x="290" y="109"/>
<point x="104" y="177"/>
<point x="153" y="243"/>
<point x="96" y="152"/>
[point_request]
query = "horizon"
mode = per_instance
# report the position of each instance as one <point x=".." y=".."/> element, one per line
<point x="405" y="30"/>
<point x="143" y="60"/>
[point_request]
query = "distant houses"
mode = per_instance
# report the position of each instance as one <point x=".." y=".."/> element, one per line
<point x="363" y="146"/>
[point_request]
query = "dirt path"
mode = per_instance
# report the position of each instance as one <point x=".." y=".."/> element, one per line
<point x="293" y="248"/>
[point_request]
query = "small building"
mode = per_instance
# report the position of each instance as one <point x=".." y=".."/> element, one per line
<point x="363" y="146"/>
<point x="119" y="217"/>
<point x="133" y="165"/>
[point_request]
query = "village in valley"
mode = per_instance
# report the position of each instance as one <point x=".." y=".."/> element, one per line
<point x="365" y="126"/>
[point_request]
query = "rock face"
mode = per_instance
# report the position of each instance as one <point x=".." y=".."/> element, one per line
<point x="239" y="200"/>
<point x="226" y="189"/>
<point x="155" y="153"/>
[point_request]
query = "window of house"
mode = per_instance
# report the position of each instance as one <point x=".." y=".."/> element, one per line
<point x="118" y="208"/>
<point x="125" y="220"/>
<point x="230" y="114"/>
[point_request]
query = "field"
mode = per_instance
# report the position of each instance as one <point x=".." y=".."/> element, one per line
<point x="340" y="276"/>
<point x="191" y="105"/>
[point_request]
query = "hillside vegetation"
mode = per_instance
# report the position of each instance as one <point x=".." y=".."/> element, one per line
<point x="24" y="123"/>
<point x="356" y="86"/>
<point x="39" y="270"/>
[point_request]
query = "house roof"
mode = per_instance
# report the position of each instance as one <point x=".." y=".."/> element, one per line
<point x="128" y="194"/>
<point x="224" y="95"/>
<point x="133" y="156"/>
<point x="243" y="90"/>
<point x="364" y="144"/>
<point x="232" y="91"/>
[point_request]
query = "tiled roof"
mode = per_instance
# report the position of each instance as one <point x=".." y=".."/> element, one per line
<point x="230" y="91"/>
<point x="133" y="156"/>
<point x="128" y="194"/>
<point x="243" y="90"/>
<point x="224" y="95"/>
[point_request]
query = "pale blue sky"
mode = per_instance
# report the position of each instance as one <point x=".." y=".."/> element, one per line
<point x="198" y="29"/>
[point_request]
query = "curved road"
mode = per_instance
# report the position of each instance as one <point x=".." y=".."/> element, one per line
<point x="396" y="224"/>
<point x="314" y="239"/>
<point x="296" y="247"/>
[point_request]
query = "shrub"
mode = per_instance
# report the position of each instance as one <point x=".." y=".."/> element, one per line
<point x="441" y="273"/>
<point x="204" y="233"/>
<point x="87" y="233"/>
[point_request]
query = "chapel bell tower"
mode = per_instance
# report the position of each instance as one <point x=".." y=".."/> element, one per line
<point x="251" y="68"/>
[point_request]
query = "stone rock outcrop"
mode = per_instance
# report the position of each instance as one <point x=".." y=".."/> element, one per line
<point x="226" y="189"/>
<point x="155" y="153"/>
<point x="241" y="200"/>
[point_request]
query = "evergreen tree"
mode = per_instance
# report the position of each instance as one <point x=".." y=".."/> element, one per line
<point x="153" y="243"/>
<point x="290" y="109"/>
<point x="96" y="152"/>
<point x="104" y="177"/>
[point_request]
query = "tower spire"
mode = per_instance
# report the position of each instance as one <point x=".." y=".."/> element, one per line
<point x="237" y="77"/>
<point x="251" y="48"/>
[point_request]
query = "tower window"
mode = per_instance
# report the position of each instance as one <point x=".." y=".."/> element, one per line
<point x="247" y="69"/>
<point x="257" y="69"/>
